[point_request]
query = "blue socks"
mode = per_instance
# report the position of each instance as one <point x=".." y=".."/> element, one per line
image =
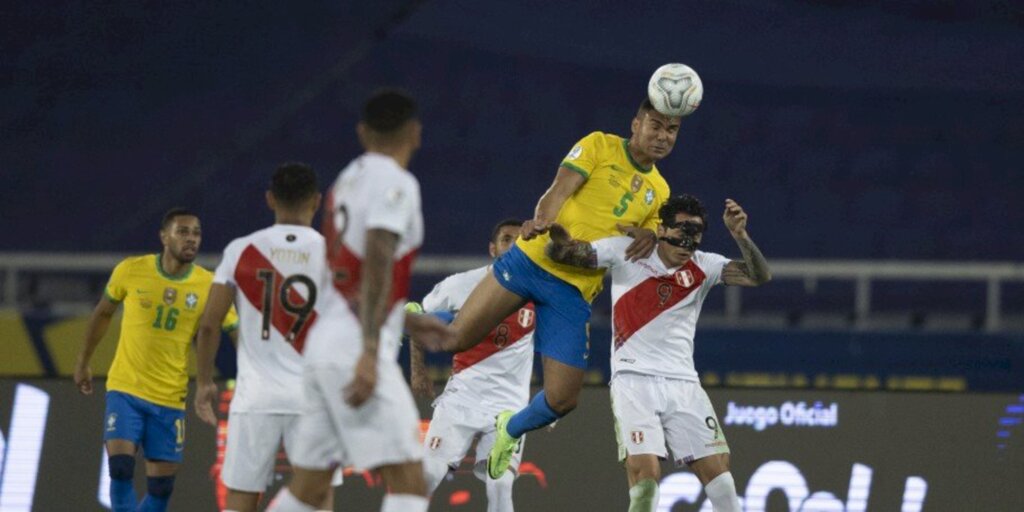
<point x="444" y="316"/>
<point x="536" y="415"/>
<point x="122" y="490"/>
<point x="159" y="490"/>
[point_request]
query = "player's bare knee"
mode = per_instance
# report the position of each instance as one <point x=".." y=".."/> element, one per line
<point x="561" y="403"/>
<point x="310" y="486"/>
<point x="643" y="467"/>
<point x="310" y="494"/>
<point x="709" y="468"/>
<point x="405" y="478"/>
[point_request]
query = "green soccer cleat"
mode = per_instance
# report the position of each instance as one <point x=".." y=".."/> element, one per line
<point x="505" y="446"/>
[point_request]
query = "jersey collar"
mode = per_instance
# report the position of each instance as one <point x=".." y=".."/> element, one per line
<point x="625" y="147"/>
<point x="160" y="270"/>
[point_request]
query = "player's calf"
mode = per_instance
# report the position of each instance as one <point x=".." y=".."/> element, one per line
<point x="158" y="493"/>
<point x="713" y="472"/>
<point x="643" y="473"/>
<point x="499" y="493"/>
<point x="434" y="471"/>
<point x="643" y="497"/>
<point x="122" y="490"/>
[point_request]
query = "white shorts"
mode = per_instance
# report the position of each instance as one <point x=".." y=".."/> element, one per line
<point x="251" y="452"/>
<point x="652" y="412"/>
<point x="382" y="431"/>
<point x="452" y="431"/>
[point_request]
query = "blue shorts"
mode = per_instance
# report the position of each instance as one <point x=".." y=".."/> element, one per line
<point x="159" y="430"/>
<point x="563" y="316"/>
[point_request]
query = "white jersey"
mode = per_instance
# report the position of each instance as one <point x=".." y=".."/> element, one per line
<point x="655" y="308"/>
<point x="373" y="192"/>
<point x="274" y="273"/>
<point x="495" y="374"/>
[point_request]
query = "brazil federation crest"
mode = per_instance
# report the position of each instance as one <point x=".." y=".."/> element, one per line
<point x="111" y="422"/>
<point x="170" y="295"/>
<point x="526" y="318"/>
<point x="191" y="300"/>
<point x="685" y="278"/>
<point x="649" y="196"/>
<point x="637" y="183"/>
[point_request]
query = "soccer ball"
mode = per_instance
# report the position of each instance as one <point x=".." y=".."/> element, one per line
<point x="675" y="90"/>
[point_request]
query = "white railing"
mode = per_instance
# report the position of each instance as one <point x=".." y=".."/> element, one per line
<point x="13" y="265"/>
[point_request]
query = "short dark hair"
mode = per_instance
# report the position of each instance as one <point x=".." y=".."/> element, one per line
<point x="645" y="107"/>
<point x="685" y="203"/>
<point x="511" y="221"/>
<point x="293" y="183"/>
<point x="174" y="213"/>
<point x="387" y="110"/>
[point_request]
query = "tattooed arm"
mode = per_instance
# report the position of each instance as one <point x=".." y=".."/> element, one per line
<point x="564" y="249"/>
<point x="753" y="269"/>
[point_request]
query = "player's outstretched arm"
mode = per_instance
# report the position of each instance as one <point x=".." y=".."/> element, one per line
<point x="99" y="321"/>
<point x="753" y="270"/>
<point x="374" y="290"/>
<point x="419" y="378"/>
<point x="207" y="342"/>
<point x="564" y="249"/>
<point x="566" y="183"/>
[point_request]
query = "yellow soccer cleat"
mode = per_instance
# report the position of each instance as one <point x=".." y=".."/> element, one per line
<point x="505" y="446"/>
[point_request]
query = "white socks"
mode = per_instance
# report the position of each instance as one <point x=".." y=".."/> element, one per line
<point x="721" y="490"/>
<point x="404" y="503"/>
<point x="434" y="472"/>
<point x="286" y="502"/>
<point x="643" y="497"/>
<point x="499" y="493"/>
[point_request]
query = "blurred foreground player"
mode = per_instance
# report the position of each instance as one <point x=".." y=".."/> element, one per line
<point x="605" y="186"/>
<point x="489" y="378"/>
<point x="163" y="297"/>
<point x="271" y="277"/>
<point x="657" y="398"/>
<point x="358" y="409"/>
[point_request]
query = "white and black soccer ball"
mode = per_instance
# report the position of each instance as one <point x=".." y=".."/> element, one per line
<point x="675" y="90"/>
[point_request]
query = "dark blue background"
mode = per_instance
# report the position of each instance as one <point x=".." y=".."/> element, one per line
<point x="847" y="129"/>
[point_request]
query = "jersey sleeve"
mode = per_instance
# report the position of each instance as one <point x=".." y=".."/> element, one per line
<point x="230" y="322"/>
<point x="584" y="157"/>
<point x="395" y="207"/>
<point x="611" y="251"/>
<point x="117" y="287"/>
<point x="712" y="264"/>
<point x="437" y="299"/>
<point x="225" y="273"/>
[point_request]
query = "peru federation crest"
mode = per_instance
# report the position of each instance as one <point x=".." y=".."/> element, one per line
<point x="526" y="318"/>
<point x="685" y="278"/>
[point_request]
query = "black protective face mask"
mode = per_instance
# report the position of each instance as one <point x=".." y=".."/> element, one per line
<point x="690" y="231"/>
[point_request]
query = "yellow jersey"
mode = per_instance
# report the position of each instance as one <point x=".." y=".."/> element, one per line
<point x="617" y="191"/>
<point x="161" y="316"/>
